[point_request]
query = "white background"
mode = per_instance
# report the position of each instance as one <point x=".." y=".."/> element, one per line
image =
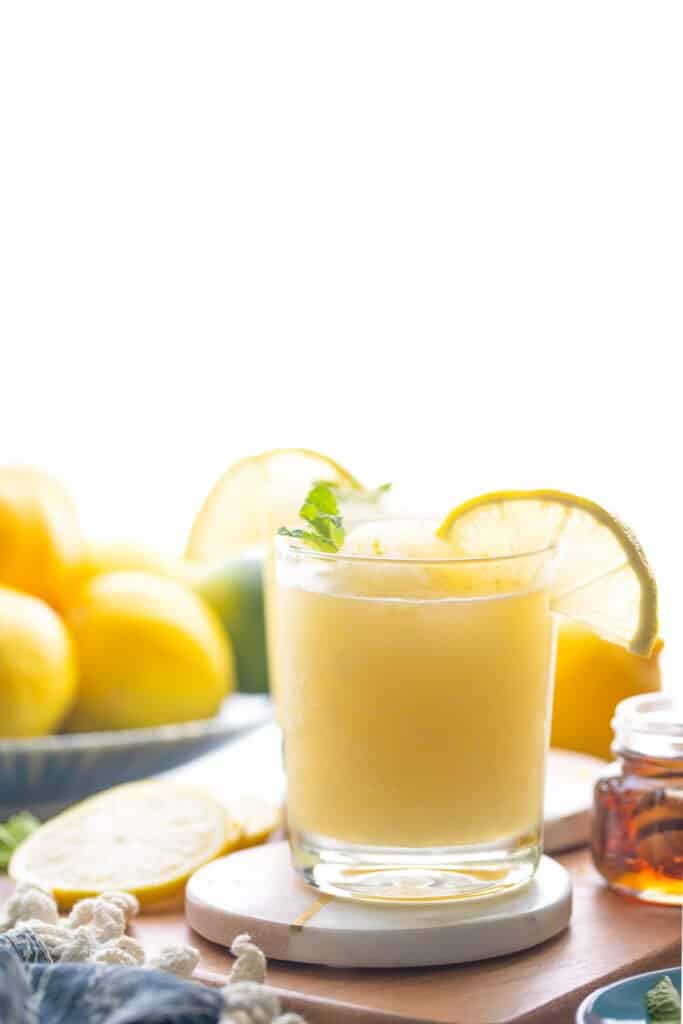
<point x="441" y="242"/>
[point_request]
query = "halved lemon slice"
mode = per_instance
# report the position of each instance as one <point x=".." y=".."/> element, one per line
<point x="258" y="818"/>
<point x="602" y="580"/>
<point x="146" y="838"/>
<point x="256" y="496"/>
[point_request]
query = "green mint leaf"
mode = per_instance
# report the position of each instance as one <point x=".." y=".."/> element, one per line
<point x="331" y="528"/>
<point x="320" y="500"/>
<point x="353" y="494"/>
<point x="310" y="539"/>
<point x="321" y="511"/>
<point x="663" y="1003"/>
<point x="12" y="834"/>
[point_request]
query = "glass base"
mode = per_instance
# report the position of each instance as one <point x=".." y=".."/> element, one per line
<point x="403" y="874"/>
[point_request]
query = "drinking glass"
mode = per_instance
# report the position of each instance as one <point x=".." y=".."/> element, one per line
<point x="415" y="699"/>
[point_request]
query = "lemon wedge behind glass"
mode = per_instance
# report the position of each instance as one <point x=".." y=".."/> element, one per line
<point x="256" y="496"/>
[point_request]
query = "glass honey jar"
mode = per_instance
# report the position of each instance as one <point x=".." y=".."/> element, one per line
<point x="638" y="802"/>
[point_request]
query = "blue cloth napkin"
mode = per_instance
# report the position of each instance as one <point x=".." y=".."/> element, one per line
<point x="35" y="990"/>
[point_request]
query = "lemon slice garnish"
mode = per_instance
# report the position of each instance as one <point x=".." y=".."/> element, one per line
<point x="256" y="496"/>
<point x="602" y="579"/>
<point x="145" y="838"/>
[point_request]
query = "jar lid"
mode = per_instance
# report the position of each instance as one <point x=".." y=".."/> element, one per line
<point x="650" y="724"/>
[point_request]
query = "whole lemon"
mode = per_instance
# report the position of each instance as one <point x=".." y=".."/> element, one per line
<point x="149" y="652"/>
<point x="125" y="556"/>
<point x="592" y="675"/>
<point x="37" y="666"/>
<point x="41" y="544"/>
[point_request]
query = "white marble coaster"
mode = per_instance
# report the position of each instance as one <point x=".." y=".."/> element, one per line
<point x="256" y="891"/>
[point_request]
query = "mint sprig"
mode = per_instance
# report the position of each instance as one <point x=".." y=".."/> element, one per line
<point x="355" y="494"/>
<point x="12" y="834"/>
<point x="321" y="511"/>
<point x="663" y="1003"/>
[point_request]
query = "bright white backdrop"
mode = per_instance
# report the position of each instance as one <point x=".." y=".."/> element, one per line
<point x="440" y="241"/>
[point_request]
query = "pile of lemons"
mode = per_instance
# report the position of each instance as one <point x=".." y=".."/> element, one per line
<point x="114" y="637"/>
<point x="96" y="638"/>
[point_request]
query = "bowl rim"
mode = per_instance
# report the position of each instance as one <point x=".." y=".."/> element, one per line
<point x="587" y="1003"/>
<point x="111" y="739"/>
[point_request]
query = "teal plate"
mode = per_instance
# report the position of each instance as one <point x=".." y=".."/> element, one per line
<point x="623" y="1002"/>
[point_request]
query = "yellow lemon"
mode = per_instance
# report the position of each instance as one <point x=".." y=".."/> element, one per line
<point x="149" y="652"/>
<point x="41" y="544"/>
<point x="256" y="496"/>
<point x="230" y="536"/>
<point x="145" y="838"/>
<point x="37" y="666"/>
<point x="123" y="556"/>
<point x="258" y="818"/>
<point x="591" y="677"/>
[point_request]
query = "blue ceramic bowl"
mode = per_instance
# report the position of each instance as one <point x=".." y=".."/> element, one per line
<point x="623" y="1002"/>
<point x="47" y="774"/>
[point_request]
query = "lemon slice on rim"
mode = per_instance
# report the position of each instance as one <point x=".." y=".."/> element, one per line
<point x="145" y="838"/>
<point x="256" y="496"/>
<point x="602" y="580"/>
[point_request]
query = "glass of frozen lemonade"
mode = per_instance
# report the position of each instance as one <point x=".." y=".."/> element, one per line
<point x="415" y="691"/>
<point x="358" y="506"/>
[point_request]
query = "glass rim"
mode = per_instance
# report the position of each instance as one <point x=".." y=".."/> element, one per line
<point x="299" y="548"/>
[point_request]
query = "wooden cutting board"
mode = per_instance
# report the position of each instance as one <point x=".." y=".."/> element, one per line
<point x="609" y="938"/>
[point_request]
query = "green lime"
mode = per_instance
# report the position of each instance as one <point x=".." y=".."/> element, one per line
<point x="235" y="592"/>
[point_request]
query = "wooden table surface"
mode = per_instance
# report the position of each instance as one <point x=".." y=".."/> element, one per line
<point x="609" y="938"/>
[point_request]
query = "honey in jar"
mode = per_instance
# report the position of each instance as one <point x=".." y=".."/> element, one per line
<point x="638" y="802"/>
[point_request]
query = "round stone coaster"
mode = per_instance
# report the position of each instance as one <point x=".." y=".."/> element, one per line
<point x="257" y="891"/>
